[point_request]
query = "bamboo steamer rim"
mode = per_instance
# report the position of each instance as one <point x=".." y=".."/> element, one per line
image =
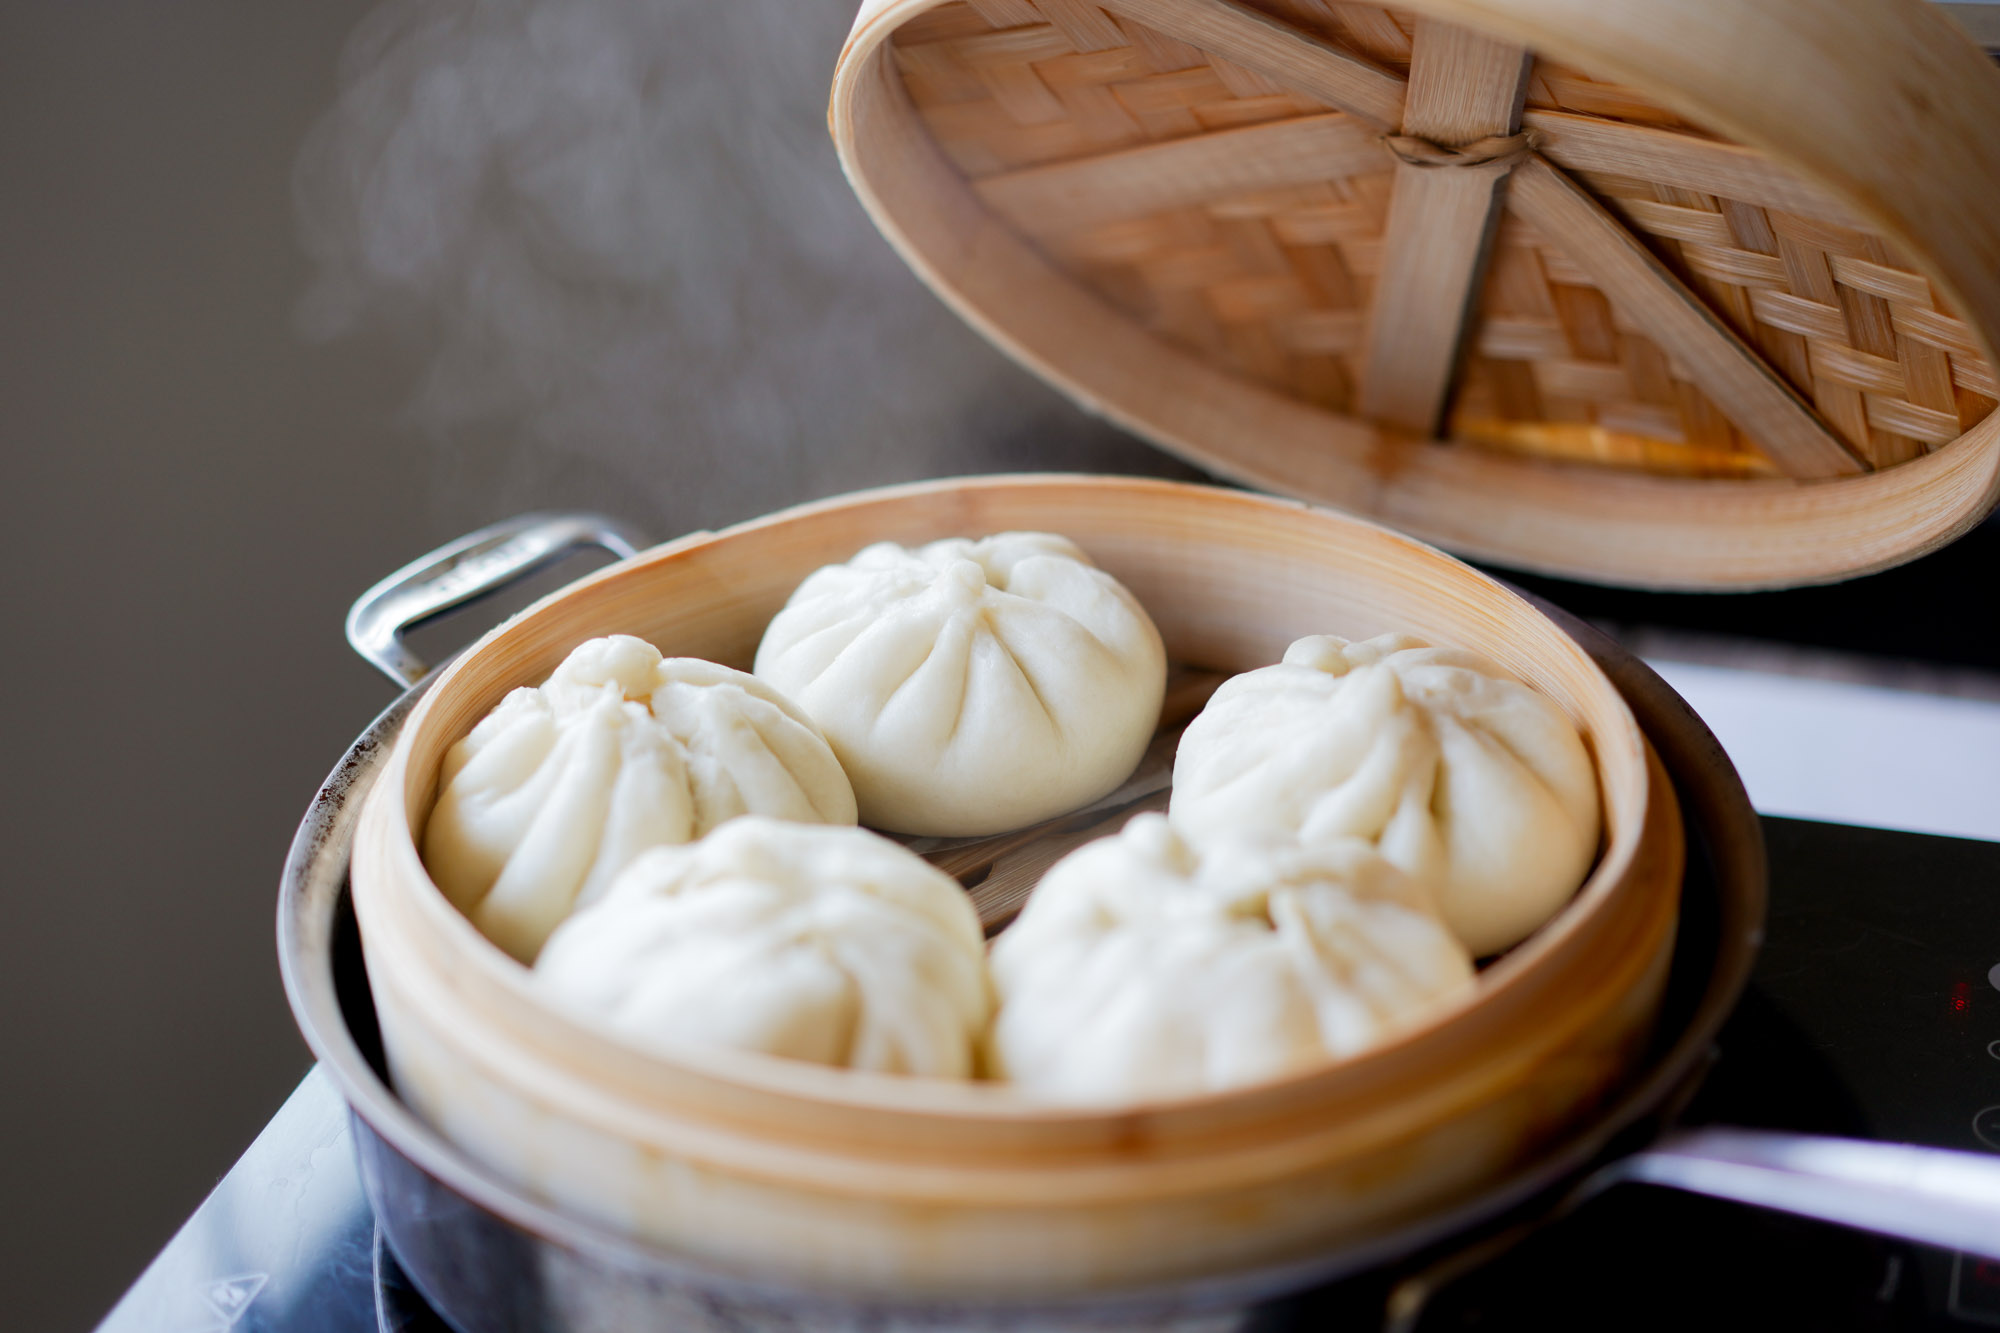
<point x="1882" y="109"/>
<point x="1642" y="859"/>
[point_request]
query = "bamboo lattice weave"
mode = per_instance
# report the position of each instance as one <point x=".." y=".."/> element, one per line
<point x="1232" y="214"/>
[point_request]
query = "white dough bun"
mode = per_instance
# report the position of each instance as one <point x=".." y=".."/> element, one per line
<point x="557" y="789"/>
<point x="1470" y="780"/>
<point x="971" y="687"/>
<point x="1146" y="967"/>
<point x="812" y="942"/>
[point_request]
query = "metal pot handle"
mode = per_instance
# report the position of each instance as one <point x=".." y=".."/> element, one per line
<point x="475" y="565"/>
<point x="1932" y="1195"/>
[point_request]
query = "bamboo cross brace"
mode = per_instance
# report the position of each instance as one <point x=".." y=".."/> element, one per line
<point x="1463" y="88"/>
<point x="1668" y="157"/>
<point x="1748" y="392"/>
<point x="1066" y="197"/>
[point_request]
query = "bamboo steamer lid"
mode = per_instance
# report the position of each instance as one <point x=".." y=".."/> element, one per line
<point x="1696" y="295"/>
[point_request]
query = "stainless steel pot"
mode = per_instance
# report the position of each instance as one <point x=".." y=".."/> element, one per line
<point x="488" y="1257"/>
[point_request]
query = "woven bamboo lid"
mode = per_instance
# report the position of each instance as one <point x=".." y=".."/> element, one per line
<point x="1695" y="295"/>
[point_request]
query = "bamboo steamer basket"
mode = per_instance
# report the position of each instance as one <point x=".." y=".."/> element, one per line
<point x="936" y="1189"/>
<point x="1697" y="295"/>
<point x="1689" y="295"/>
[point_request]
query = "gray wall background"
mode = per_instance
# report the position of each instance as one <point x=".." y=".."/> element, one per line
<point x="274" y="321"/>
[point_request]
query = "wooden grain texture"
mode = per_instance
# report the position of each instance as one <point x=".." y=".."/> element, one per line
<point x="1278" y="51"/>
<point x="1463" y="88"/>
<point x="916" y="1187"/>
<point x="1638" y="284"/>
<point x="1667" y="157"/>
<point x="1181" y="173"/>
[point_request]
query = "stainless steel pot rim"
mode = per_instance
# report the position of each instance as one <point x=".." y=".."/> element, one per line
<point x="312" y="899"/>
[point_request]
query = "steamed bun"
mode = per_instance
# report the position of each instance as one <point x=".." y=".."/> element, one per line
<point x="971" y="687"/>
<point x="1144" y="966"/>
<point x="1460" y="774"/>
<point x="826" y="944"/>
<point x="563" y="784"/>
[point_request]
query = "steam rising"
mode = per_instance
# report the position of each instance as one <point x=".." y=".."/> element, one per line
<point x="618" y="228"/>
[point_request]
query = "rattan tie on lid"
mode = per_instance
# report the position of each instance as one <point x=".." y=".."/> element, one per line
<point x="1693" y="295"/>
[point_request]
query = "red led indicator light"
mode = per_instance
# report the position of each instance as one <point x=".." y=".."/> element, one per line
<point x="1961" y="997"/>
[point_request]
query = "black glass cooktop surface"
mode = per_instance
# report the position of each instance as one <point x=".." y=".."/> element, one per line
<point x="1874" y="1013"/>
